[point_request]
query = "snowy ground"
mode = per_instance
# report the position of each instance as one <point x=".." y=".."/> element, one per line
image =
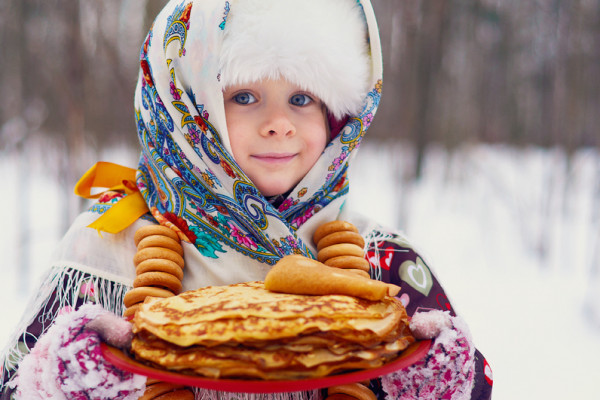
<point x="510" y="234"/>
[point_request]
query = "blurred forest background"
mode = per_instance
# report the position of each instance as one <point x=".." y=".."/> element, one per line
<point x="489" y="122"/>
<point x="519" y="72"/>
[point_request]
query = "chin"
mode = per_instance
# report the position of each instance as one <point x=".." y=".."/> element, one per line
<point x="271" y="193"/>
<point x="274" y="190"/>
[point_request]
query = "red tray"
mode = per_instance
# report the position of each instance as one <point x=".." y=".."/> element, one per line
<point x="411" y="355"/>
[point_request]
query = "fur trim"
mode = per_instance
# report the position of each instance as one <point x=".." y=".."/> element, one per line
<point x="318" y="45"/>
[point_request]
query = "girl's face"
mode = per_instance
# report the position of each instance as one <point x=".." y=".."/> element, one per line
<point x="277" y="132"/>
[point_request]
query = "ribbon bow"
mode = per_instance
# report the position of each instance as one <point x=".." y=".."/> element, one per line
<point x="113" y="177"/>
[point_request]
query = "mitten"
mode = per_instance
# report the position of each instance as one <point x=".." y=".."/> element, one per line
<point x="447" y="371"/>
<point x="67" y="363"/>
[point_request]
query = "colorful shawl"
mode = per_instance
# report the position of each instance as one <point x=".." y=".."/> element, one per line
<point x="187" y="173"/>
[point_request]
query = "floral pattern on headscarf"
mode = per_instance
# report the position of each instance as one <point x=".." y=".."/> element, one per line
<point x="186" y="170"/>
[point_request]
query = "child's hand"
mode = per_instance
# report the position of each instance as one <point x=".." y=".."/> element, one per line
<point x="447" y="371"/>
<point x="112" y="329"/>
<point x="67" y="362"/>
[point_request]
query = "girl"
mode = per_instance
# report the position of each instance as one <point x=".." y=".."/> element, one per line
<point x="248" y="114"/>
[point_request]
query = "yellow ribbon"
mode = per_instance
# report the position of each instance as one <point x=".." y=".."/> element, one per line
<point x="113" y="177"/>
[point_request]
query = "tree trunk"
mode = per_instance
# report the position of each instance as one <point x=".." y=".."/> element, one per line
<point x="431" y="48"/>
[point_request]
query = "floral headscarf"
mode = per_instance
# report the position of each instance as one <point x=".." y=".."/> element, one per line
<point x="187" y="173"/>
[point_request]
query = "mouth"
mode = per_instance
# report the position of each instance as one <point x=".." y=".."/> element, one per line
<point x="274" y="158"/>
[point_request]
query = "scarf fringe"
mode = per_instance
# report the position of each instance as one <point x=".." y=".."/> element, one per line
<point x="206" y="394"/>
<point x="372" y="241"/>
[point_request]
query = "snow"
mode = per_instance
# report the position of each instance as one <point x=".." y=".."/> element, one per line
<point x="511" y="233"/>
<point x="476" y="218"/>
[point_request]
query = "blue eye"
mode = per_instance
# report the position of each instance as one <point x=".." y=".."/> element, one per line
<point x="244" y="98"/>
<point x="300" y="100"/>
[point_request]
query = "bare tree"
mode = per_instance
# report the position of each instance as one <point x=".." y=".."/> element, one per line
<point x="67" y="73"/>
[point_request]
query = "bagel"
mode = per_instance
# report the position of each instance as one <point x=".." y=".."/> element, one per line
<point x="130" y="311"/>
<point x="157" y="252"/>
<point x="149" y="230"/>
<point x="355" y="390"/>
<point x="158" y="279"/>
<point x="358" y="272"/>
<point x="137" y="295"/>
<point x="330" y="227"/>
<point x="342" y="249"/>
<point x="341" y="237"/>
<point x="348" y="262"/>
<point x="181" y="394"/>
<point x="161" y="241"/>
<point x="155" y="390"/>
<point x="159" y="265"/>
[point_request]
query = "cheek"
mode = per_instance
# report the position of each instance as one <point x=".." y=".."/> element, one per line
<point x="236" y="134"/>
<point x="234" y="139"/>
<point x="318" y="137"/>
<point x="316" y="131"/>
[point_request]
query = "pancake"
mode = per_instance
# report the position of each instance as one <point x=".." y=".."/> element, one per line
<point x="218" y="302"/>
<point x="248" y="312"/>
<point x="243" y="362"/>
<point x="272" y="362"/>
<point x="246" y="331"/>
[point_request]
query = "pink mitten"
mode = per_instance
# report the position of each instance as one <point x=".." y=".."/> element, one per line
<point x="447" y="371"/>
<point x="66" y="362"/>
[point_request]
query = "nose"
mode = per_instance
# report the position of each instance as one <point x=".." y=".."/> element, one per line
<point x="277" y="123"/>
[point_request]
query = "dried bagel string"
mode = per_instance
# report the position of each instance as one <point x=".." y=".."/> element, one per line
<point x="159" y="266"/>
<point x="358" y="391"/>
<point x="340" y="245"/>
<point x="159" y="272"/>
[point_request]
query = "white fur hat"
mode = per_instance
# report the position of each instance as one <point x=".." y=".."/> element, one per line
<point x="319" y="45"/>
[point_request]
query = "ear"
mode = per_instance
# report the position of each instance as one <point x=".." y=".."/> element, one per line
<point x="335" y="125"/>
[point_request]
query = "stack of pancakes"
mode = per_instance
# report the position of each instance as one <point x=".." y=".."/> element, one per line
<point x="246" y="331"/>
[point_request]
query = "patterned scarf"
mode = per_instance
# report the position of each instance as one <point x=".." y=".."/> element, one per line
<point x="187" y="173"/>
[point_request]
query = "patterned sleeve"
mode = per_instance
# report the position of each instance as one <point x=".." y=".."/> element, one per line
<point x="395" y="261"/>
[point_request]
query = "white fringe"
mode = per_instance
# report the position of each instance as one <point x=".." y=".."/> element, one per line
<point x="372" y="240"/>
<point x="206" y="394"/>
<point x="108" y="294"/>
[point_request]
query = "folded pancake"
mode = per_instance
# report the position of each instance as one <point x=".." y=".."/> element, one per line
<point x="247" y="331"/>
